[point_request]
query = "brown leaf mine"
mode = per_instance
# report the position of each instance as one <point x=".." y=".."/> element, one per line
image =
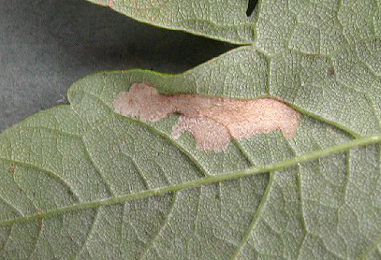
<point x="211" y="121"/>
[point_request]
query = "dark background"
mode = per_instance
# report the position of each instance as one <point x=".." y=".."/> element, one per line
<point x="45" y="45"/>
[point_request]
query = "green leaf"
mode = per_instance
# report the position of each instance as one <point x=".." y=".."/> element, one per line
<point x="81" y="181"/>
<point x="218" y="19"/>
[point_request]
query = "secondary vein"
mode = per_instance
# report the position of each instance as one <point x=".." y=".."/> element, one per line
<point x="199" y="182"/>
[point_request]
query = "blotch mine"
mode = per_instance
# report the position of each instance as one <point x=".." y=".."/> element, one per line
<point x="213" y="121"/>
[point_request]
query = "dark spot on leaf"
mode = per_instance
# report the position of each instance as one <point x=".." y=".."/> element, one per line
<point x="12" y="169"/>
<point x="70" y="192"/>
<point x="331" y="72"/>
<point x="251" y="6"/>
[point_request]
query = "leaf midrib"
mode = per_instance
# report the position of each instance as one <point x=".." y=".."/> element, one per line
<point x="199" y="182"/>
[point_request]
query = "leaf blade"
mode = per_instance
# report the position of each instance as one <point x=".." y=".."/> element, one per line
<point x="220" y="20"/>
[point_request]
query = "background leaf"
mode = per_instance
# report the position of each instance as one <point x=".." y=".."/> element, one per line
<point x="47" y="45"/>
<point x="82" y="182"/>
<point x="218" y="19"/>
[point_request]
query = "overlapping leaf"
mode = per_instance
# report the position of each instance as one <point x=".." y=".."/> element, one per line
<point x="218" y="19"/>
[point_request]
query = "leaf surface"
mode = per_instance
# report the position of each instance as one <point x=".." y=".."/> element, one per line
<point x="81" y="181"/>
<point x="218" y="19"/>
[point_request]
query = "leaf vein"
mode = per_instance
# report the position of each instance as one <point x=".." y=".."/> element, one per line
<point x="170" y="211"/>
<point x="100" y="174"/>
<point x="155" y="131"/>
<point x="256" y="217"/>
<point x="201" y="182"/>
<point x="50" y="173"/>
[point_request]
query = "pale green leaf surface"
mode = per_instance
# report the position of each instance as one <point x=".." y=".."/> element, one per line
<point x="218" y="19"/>
<point x="82" y="182"/>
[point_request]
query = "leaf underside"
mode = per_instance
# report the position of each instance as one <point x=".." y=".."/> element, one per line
<point x="80" y="181"/>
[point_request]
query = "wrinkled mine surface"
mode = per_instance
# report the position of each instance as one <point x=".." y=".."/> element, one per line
<point x="211" y="121"/>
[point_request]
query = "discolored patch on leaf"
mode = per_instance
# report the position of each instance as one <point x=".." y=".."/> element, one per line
<point x="213" y="121"/>
<point x="12" y="169"/>
<point x="331" y="72"/>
